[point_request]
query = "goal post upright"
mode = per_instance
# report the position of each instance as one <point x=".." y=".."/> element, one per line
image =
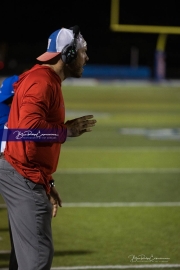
<point x="162" y="31"/>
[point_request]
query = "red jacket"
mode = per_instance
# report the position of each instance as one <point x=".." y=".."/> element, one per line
<point x="37" y="103"/>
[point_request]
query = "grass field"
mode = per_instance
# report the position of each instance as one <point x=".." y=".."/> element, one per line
<point x="120" y="183"/>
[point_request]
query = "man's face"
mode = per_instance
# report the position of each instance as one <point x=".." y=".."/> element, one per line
<point x="76" y="67"/>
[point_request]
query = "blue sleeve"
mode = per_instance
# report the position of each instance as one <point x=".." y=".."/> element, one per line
<point x="4" y="113"/>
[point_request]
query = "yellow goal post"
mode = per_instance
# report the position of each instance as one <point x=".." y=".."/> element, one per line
<point x="163" y="31"/>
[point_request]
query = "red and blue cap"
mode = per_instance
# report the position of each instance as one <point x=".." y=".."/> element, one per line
<point x="59" y="39"/>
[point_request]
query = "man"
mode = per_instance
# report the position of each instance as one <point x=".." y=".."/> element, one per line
<point x="26" y="168"/>
<point x="6" y="97"/>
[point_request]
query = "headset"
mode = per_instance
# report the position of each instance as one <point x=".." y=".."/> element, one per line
<point x="69" y="52"/>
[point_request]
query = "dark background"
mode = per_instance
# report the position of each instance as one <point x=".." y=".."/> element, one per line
<point x="26" y="26"/>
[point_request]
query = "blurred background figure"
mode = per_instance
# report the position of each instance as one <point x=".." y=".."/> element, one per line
<point x="6" y="97"/>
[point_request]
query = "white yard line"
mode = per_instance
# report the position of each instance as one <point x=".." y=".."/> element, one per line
<point x="120" y="149"/>
<point x="144" y="266"/>
<point x="123" y="204"/>
<point x="117" y="204"/>
<point x="153" y="266"/>
<point x="117" y="170"/>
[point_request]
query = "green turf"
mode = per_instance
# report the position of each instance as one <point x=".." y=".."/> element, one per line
<point x="104" y="158"/>
<point x="129" y="187"/>
<point x="132" y="168"/>
<point x="108" y="236"/>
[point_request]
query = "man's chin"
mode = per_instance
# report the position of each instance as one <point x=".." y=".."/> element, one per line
<point x="78" y="74"/>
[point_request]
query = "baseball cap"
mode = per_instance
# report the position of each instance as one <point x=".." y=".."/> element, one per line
<point x="59" y="39"/>
<point x="6" y="88"/>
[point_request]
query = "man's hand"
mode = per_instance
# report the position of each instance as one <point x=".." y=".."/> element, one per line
<point x="78" y="126"/>
<point x="55" y="200"/>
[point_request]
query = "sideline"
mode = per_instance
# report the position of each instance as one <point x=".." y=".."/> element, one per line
<point x="116" y="82"/>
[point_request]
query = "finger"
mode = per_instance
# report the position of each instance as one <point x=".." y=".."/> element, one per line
<point x="91" y="122"/>
<point x="88" y="124"/>
<point x="54" y="210"/>
<point x="88" y="130"/>
<point x="59" y="201"/>
<point x="84" y="118"/>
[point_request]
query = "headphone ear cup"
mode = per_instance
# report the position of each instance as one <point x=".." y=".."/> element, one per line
<point x="69" y="53"/>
